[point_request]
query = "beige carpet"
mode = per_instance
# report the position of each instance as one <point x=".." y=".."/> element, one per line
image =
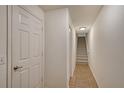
<point x="83" y="77"/>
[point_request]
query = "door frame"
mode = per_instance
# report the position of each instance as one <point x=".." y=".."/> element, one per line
<point x="9" y="46"/>
<point x="9" y="32"/>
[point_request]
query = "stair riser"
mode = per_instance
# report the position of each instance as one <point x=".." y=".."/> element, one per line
<point x="82" y="57"/>
<point x="81" y="61"/>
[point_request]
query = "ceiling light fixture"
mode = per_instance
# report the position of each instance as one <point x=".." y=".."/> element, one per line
<point x="82" y="28"/>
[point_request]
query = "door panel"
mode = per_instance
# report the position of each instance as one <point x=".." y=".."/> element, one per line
<point x="36" y="42"/>
<point x="2" y="76"/>
<point x="24" y="45"/>
<point x="24" y="78"/>
<point x="34" y="71"/>
<point x="26" y="49"/>
<point x="36" y="52"/>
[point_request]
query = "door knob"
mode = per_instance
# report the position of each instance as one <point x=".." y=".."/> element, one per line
<point x="17" y="67"/>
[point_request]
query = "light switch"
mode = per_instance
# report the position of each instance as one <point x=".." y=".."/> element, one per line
<point x="1" y="60"/>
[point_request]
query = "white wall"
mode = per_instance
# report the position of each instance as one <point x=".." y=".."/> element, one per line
<point x="106" y="47"/>
<point x="72" y="46"/>
<point x="74" y="49"/>
<point x="3" y="46"/>
<point x="69" y="43"/>
<point x="57" y="48"/>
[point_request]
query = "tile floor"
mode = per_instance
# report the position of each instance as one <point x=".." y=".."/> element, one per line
<point x="83" y="77"/>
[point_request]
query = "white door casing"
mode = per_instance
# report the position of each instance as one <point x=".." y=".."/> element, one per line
<point x="26" y="49"/>
<point x="3" y="46"/>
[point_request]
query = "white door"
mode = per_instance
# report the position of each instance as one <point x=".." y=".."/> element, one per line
<point x="3" y="41"/>
<point x="26" y="49"/>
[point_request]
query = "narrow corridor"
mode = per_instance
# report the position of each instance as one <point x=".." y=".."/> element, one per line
<point x="61" y="46"/>
<point x="83" y="77"/>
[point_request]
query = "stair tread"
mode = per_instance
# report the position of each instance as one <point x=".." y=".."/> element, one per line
<point x="81" y="59"/>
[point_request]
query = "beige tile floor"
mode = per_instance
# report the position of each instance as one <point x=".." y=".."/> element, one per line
<point x="83" y="77"/>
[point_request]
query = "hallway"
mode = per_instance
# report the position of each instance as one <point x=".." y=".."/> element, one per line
<point x="83" y="77"/>
<point x="61" y="46"/>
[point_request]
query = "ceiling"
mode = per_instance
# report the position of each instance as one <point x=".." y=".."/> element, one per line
<point x="81" y="15"/>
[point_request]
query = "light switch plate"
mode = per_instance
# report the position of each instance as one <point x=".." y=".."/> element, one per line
<point x="1" y="60"/>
